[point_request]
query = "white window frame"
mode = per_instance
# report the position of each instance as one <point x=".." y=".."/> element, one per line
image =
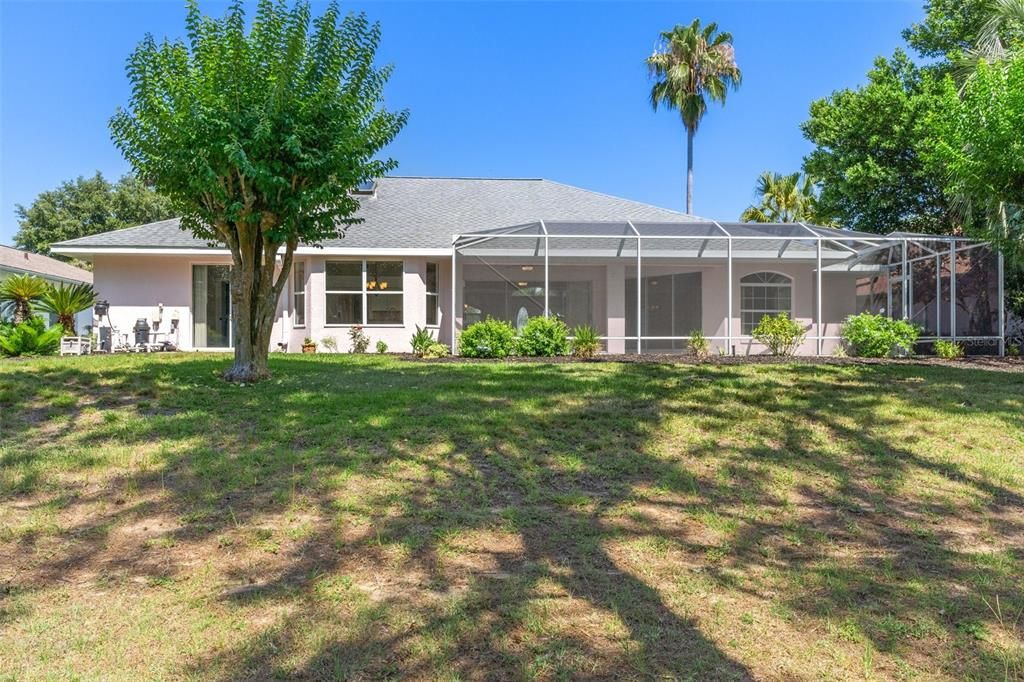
<point x="365" y="293"/>
<point x="298" y="292"/>
<point x="788" y="284"/>
<point x="433" y="297"/>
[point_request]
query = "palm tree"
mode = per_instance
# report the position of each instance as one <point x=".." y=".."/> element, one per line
<point x="1002" y="18"/>
<point x="18" y="293"/>
<point x="783" y="199"/>
<point x="67" y="300"/>
<point x="691" y="65"/>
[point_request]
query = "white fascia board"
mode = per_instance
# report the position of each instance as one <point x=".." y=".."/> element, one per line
<point x="301" y="251"/>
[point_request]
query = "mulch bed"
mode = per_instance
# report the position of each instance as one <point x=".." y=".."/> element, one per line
<point x="991" y="363"/>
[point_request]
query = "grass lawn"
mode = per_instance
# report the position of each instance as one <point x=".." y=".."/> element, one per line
<point x="371" y="517"/>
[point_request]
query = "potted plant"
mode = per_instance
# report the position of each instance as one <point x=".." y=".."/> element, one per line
<point x="308" y="345"/>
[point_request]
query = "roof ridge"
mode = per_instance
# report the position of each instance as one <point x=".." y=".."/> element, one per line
<point x="632" y="201"/>
<point x="460" y="177"/>
<point x="121" y="229"/>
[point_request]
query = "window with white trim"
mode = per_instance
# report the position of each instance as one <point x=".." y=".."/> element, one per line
<point x="764" y="293"/>
<point x="364" y="293"/>
<point x="299" y="295"/>
<point x="433" y="295"/>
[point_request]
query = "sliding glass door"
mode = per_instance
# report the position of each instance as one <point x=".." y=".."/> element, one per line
<point x="211" y="306"/>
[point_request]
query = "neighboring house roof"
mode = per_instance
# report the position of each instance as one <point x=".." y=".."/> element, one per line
<point x="424" y="212"/>
<point x="22" y="261"/>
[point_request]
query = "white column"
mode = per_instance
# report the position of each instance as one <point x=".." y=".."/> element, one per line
<point x="547" y="309"/>
<point x="454" y="349"/>
<point x="1002" y="306"/>
<point x="728" y="314"/>
<point x="938" y="295"/>
<point x="952" y="289"/>
<point x="905" y="289"/>
<point x="817" y="312"/>
<point x="639" y="299"/>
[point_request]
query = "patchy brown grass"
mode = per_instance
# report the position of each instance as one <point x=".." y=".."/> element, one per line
<point x="374" y="517"/>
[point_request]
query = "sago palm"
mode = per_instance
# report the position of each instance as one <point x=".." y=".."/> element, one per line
<point x="19" y="293"/>
<point x="67" y="300"/>
<point x="783" y="199"/>
<point x="691" y="65"/>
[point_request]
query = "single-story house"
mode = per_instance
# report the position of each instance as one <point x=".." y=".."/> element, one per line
<point x="17" y="262"/>
<point x="442" y="253"/>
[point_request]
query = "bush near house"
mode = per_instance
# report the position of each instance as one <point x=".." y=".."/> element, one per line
<point x="948" y="350"/>
<point x="543" y="337"/>
<point x="421" y="341"/>
<point x="488" y="339"/>
<point x="586" y="342"/>
<point x="436" y="350"/>
<point x="31" y="337"/>
<point x="358" y="339"/>
<point x="779" y="334"/>
<point x="877" y="336"/>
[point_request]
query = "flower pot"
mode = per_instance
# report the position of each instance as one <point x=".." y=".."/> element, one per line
<point x="309" y="348"/>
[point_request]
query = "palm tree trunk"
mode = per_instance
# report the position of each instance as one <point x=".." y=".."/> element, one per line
<point x="689" y="169"/>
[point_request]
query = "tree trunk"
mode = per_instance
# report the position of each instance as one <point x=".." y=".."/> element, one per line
<point x="689" y="170"/>
<point x="254" y="295"/>
<point x="22" y="311"/>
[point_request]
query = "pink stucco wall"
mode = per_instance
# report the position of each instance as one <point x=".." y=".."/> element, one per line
<point x="135" y="284"/>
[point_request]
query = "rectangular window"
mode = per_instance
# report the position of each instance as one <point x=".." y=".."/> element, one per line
<point x="433" y="296"/>
<point x="364" y="292"/>
<point x="299" y="295"/>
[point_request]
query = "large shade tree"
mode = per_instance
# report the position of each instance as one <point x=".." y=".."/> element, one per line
<point x="691" y="65"/>
<point x="258" y="138"/>
<point x="85" y="206"/>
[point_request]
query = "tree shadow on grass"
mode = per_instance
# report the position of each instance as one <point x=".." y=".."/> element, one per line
<point x="472" y="519"/>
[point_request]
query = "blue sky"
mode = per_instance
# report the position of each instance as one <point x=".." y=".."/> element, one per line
<point x="529" y="89"/>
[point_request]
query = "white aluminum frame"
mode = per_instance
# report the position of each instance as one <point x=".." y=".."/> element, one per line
<point x="873" y="244"/>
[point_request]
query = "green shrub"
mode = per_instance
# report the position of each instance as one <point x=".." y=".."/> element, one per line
<point x="421" y="341"/>
<point x="31" y="337"/>
<point x="699" y="344"/>
<point x="358" y="339"/>
<point x="948" y="350"/>
<point x="328" y="342"/>
<point x="436" y="350"/>
<point x="877" y="336"/>
<point x="382" y="347"/>
<point x="586" y="341"/>
<point x="1013" y="350"/>
<point x="488" y="339"/>
<point x="543" y="337"/>
<point x="779" y="334"/>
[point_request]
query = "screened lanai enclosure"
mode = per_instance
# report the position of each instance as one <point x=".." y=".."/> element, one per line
<point x="648" y="287"/>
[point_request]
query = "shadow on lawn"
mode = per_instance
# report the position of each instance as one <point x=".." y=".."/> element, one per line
<point x="545" y="456"/>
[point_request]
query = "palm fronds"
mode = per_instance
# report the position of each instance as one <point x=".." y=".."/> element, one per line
<point x="19" y="293"/>
<point x="67" y="300"/>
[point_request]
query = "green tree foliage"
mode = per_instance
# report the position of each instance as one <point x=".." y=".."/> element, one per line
<point x="85" y="206"/>
<point x="692" y="64"/>
<point x="868" y="156"/>
<point x="18" y="295"/>
<point x="782" y="198"/>
<point x="67" y="300"/>
<point x="258" y="137"/>
<point x="949" y="26"/>
<point x="977" y="142"/>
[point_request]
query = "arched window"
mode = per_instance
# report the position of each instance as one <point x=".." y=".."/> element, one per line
<point x="763" y="293"/>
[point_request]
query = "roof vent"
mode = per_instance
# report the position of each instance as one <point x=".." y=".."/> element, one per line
<point x="366" y="188"/>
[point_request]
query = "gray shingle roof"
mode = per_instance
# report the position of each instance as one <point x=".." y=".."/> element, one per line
<point x="422" y="212"/>
<point x="16" y="260"/>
